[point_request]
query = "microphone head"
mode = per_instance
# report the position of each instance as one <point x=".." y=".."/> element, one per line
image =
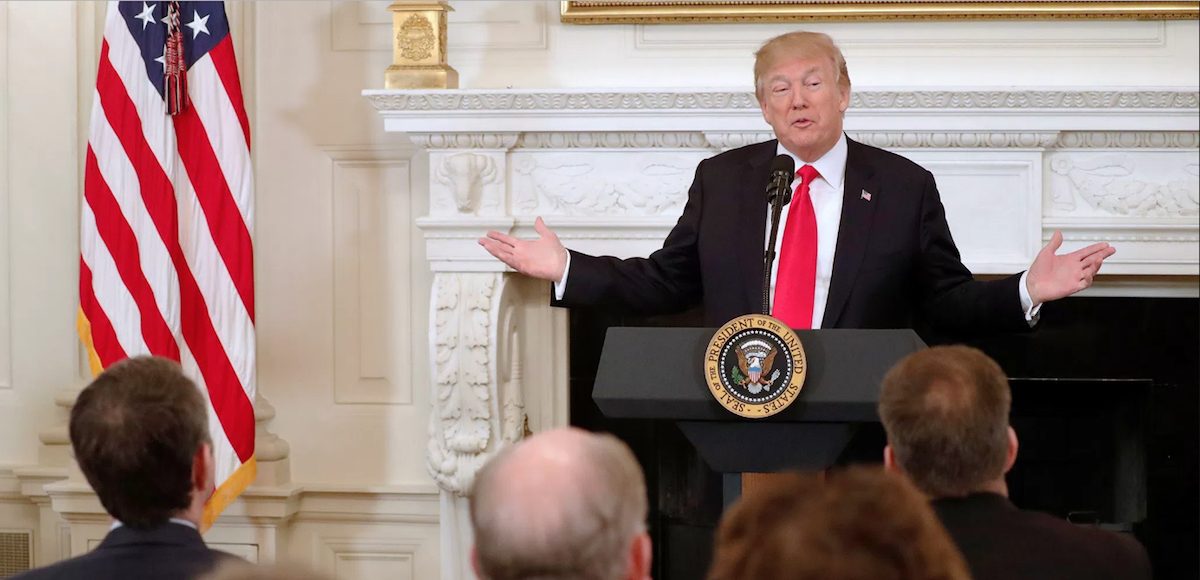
<point x="783" y="164"/>
<point x="783" y="171"/>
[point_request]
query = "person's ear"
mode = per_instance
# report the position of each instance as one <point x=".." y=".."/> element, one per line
<point x="475" y="562"/>
<point x="641" y="554"/>
<point x="889" y="459"/>
<point x="204" y="470"/>
<point x="1013" y="444"/>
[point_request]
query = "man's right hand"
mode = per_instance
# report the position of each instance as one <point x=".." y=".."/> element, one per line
<point x="543" y="258"/>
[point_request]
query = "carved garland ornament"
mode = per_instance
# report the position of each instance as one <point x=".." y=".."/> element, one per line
<point x="459" y="424"/>
<point x="1108" y="183"/>
<point x="572" y="186"/>
<point x="477" y="403"/>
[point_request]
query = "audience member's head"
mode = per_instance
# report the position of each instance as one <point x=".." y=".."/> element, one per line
<point x="863" y="523"/>
<point x="945" y="410"/>
<point x="140" y="435"/>
<point x="561" y="504"/>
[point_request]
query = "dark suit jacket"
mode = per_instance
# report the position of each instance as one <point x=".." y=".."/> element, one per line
<point x="894" y="262"/>
<point x="1000" y="541"/>
<point x="171" y="551"/>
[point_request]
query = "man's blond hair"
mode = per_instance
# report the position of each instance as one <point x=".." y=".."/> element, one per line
<point x="799" y="44"/>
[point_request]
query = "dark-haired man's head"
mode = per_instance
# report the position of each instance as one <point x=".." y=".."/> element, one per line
<point x="945" y="410"/>
<point x="140" y="435"/>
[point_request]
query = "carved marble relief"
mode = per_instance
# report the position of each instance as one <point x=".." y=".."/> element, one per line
<point x="466" y="174"/>
<point x="477" y="401"/>
<point x="1125" y="184"/>
<point x="463" y="312"/>
<point x="591" y="184"/>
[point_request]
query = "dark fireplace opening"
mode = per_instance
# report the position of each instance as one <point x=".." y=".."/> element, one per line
<point x="1105" y="405"/>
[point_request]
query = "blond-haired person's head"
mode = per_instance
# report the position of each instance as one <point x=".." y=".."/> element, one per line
<point x="803" y="89"/>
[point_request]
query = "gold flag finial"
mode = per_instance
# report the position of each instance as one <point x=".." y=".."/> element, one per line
<point x="419" y="47"/>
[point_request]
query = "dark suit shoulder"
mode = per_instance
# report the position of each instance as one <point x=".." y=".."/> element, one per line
<point x="1000" y="541"/>
<point x="747" y="153"/>
<point x="134" y="554"/>
<point x="884" y="160"/>
<point x="1104" y="543"/>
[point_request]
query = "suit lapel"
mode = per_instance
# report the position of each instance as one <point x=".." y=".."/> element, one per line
<point x="752" y="220"/>
<point x="853" y="232"/>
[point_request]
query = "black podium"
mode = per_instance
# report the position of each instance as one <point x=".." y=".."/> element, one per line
<point x="657" y="373"/>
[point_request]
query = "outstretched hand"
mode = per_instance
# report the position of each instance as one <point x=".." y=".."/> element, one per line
<point x="1052" y="276"/>
<point x="543" y="258"/>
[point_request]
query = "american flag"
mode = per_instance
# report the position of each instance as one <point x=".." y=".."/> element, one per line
<point x="166" y="264"/>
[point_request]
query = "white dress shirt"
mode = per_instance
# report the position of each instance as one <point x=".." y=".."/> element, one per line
<point x="826" y="192"/>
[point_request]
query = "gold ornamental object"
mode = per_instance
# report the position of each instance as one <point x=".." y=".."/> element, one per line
<point x="419" y="47"/>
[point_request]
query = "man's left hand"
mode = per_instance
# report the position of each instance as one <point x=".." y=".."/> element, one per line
<point x="1052" y="276"/>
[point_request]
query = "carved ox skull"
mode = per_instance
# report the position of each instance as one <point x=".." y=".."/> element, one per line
<point x="465" y="174"/>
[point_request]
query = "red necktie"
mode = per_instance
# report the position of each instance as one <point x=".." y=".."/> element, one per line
<point x="796" y="279"/>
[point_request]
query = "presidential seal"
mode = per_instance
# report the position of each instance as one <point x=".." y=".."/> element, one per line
<point x="755" y="366"/>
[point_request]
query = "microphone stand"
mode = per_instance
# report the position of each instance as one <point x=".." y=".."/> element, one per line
<point x="779" y="196"/>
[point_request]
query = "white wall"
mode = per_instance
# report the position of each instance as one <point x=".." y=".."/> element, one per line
<point x="40" y="165"/>
<point x="532" y="49"/>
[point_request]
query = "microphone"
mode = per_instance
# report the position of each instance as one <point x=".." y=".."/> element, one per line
<point x="783" y="171"/>
<point x="779" y="194"/>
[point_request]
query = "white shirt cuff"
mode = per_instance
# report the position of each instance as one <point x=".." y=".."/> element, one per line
<point x="1032" y="311"/>
<point x="560" y="287"/>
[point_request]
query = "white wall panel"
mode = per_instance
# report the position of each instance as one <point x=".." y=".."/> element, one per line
<point x="1058" y="53"/>
<point x="992" y="205"/>
<point x="372" y="279"/>
<point x="478" y="25"/>
<point x="39" y="220"/>
<point x="339" y="263"/>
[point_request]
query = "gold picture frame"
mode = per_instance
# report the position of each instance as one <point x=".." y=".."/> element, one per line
<point x="694" y="12"/>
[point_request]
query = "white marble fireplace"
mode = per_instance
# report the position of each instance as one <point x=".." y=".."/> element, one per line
<point x="609" y="171"/>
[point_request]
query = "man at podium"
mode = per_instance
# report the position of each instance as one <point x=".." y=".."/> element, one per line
<point x="864" y="242"/>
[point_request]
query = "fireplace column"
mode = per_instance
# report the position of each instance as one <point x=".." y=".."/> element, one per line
<point x="477" y="404"/>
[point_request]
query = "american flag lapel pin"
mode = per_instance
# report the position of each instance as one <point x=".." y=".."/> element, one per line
<point x="866" y="195"/>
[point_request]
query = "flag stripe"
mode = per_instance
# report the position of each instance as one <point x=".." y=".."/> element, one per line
<point x="224" y="455"/>
<point x="228" y="399"/>
<point x="216" y="113"/>
<point x="156" y="191"/>
<point x="106" y="345"/>
<point x="230" y="234"/>
<point x="121" y="180"/>
<point x="111" y="294"/>
<point x="224" y="307"/>
<point x="226" y="66"/>
<point x="122" y="245"/>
